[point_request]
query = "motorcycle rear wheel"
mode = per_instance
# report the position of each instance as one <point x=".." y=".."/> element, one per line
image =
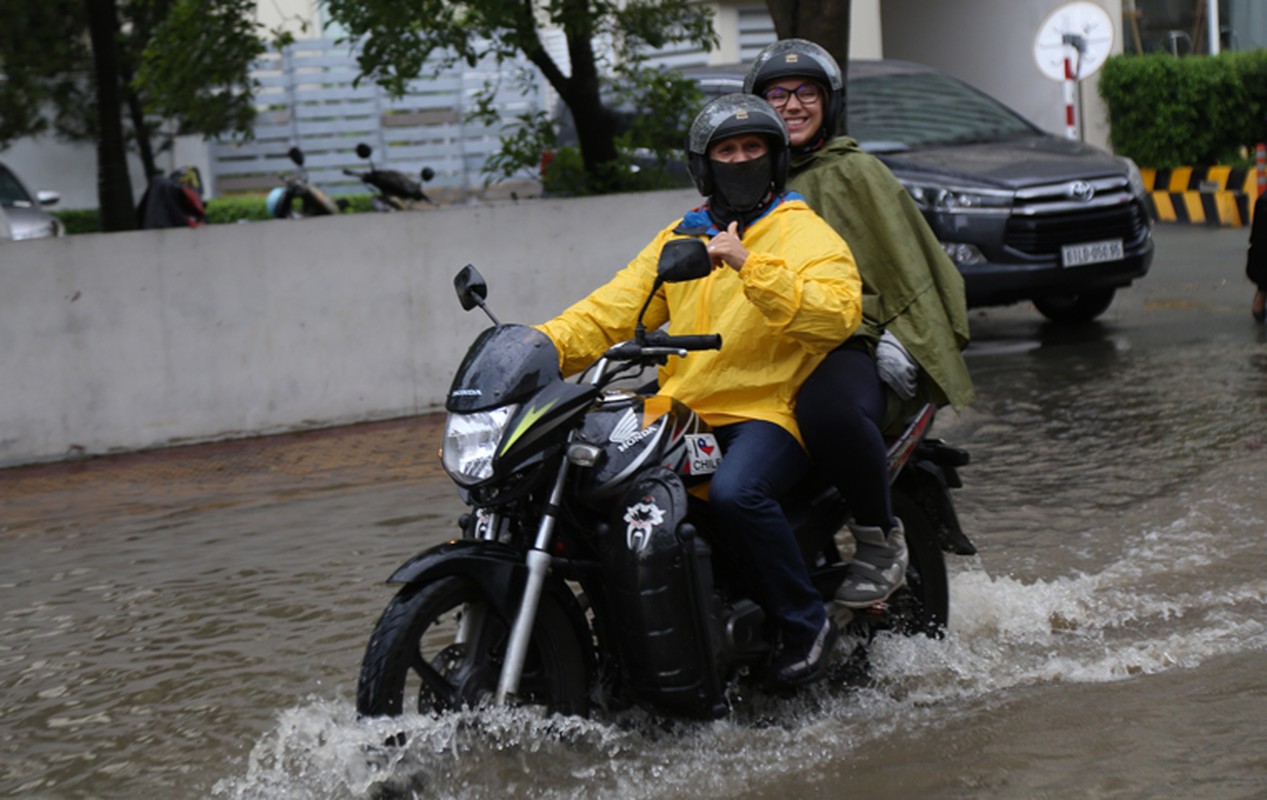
<point x="923" y="605"/>
<point x="442" y="644"/>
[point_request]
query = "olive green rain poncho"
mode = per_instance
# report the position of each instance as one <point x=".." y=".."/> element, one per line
<point x="911" y="287"/>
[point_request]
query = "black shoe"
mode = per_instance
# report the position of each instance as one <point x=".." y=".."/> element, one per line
<point x="799" y="665"/>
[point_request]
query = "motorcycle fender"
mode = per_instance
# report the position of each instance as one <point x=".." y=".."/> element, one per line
<point x="928" y="485"/>
<point x="498" y="568"/>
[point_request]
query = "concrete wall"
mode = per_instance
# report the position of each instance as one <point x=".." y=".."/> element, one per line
<point x="135" y="340"/>
<point x="989" y="44"/>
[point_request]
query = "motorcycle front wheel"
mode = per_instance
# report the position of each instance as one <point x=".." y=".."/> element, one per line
<point x="440" y="646"/>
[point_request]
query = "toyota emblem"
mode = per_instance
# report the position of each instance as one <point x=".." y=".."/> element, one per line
<point x="1081" y="190"/>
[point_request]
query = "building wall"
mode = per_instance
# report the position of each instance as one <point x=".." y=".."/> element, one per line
<point x="989" y="44"/>
<point x="135" y="340"/>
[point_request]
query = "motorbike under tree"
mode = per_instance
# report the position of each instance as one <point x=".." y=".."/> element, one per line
<point x="588" y="571"/>
<point x="297" y="198"/>
<point x="393" y="190"/>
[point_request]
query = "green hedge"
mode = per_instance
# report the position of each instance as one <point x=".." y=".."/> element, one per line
<point x="220" y="211"/>
<point x="1169" y="112"/>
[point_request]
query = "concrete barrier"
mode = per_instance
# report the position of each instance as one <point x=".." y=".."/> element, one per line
<point x="127" y="341"/>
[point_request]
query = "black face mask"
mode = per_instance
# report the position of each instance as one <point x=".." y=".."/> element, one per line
<point x="742" y="187"/>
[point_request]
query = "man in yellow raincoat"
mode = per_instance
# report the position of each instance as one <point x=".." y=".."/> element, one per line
<point x="784" y="291"/>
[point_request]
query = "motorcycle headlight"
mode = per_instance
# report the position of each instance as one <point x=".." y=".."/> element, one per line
<point x="470" y="443"/>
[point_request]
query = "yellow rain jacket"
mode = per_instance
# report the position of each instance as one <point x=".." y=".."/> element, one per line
<point x="796" y="298"/>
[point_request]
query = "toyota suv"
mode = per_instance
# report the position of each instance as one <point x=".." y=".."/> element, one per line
<point x="1026" y="215"/>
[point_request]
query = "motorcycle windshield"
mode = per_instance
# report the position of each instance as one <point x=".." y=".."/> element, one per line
<point x="504" y="365"/>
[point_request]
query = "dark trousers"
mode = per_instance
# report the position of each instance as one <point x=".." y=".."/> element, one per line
<point x="761" y="463"/>
<point x="1256" y="261"/>
<point x="840" y="410"/>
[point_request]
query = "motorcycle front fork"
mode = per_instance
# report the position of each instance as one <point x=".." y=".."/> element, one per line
<point x="538" y="560"/>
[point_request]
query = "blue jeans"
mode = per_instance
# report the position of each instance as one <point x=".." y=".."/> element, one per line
<point x="760" y="463"/>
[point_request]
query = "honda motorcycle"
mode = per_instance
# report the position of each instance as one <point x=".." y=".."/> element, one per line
<point x="588" y="573"/>
<point x="393" y="190"/>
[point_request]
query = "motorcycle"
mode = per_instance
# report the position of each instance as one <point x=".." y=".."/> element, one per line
<point x="588" y="572"/>
<point x="296" y="187"/>
<point x="393" y="190"/>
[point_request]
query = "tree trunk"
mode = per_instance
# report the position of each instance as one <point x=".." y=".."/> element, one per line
<point x="825" y="22"/>
<point x="595" y="125"/>
<point x="114" y="186"/>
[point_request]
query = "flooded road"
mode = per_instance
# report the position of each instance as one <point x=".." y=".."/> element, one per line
<point x="194" y="629"/>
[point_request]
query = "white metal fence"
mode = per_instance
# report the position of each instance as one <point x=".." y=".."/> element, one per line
<point x="308" y="97"/>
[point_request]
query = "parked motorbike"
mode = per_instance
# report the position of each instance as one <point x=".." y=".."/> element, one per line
<point x="312" y="202"/>
<point x="588" y="570"/>
<point x="393" y="190"/>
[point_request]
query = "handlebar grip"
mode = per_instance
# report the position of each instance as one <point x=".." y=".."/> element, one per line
<point x="707" y="341"/>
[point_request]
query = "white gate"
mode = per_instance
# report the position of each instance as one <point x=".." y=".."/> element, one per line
<point x="307" y="97"/>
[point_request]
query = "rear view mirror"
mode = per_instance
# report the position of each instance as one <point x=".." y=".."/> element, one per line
<point x="471" y="287"/>
<point x="296" y="155"/>
<point x="683" y="260"/>
<point x="363" y="150"/>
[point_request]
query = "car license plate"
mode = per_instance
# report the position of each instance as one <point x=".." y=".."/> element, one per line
<point x="1076" y="255"/>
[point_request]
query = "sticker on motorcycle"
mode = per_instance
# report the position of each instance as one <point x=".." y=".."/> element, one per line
<point x="703" y="454"/>
<point x="628" y="432"/>
<point x="641" y="519"/>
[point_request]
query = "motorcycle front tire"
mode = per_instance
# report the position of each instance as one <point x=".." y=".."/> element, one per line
<point x="441" y="644"/>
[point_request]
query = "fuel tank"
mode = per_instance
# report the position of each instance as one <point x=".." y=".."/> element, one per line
<point x="635" y="432"/>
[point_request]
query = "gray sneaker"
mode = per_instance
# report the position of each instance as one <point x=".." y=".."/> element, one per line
<point x="878" y="567"/>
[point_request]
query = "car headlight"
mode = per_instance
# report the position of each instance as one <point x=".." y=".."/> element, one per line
<point x="43" y="230"/>
<point x="957" y="200"/>
<point x="1138" y="187"/>
<point x="470" y="443"/>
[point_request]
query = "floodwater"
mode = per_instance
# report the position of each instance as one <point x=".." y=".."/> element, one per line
<point x="1110" y="639"/>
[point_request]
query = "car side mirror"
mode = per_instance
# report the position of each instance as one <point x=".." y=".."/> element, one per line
<point x="683" y="260"/>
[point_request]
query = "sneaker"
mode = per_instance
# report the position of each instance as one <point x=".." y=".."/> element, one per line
<point x="878" y="567"/>
<point x="797" y="666"/>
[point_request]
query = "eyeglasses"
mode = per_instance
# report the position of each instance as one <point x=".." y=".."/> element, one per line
<point x="807" y="93"/>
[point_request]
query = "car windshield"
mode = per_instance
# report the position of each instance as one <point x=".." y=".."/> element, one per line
<point x="11" y="192"/>
<point x="921" y="109"/>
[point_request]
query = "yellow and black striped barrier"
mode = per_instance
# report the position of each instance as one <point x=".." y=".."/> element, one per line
<point x="1203" y="195"/>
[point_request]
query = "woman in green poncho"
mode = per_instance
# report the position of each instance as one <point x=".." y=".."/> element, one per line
<point x="914" y="314"/>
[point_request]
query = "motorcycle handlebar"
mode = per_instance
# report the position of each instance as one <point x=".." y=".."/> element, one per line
<point x="707" y="341"/>
<point x="658" y="344"/>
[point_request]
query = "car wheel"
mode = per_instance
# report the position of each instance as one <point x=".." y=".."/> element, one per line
<point x="1081" y="307"/>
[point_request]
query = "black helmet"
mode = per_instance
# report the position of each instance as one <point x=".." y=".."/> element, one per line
<point x="732" y="115"/>
<point x="792" y="58"/>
